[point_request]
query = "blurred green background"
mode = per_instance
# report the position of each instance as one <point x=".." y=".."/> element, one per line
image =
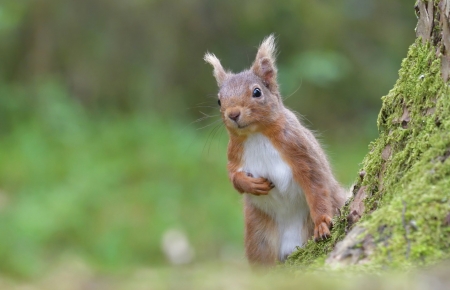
<point x="106" y="156"/>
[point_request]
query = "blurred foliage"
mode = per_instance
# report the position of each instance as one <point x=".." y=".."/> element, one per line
<point x="336" y="57"/>
<point x="100" y="153"/>
<point x="104" y="189"/>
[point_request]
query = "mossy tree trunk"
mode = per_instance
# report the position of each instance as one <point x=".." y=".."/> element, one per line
<point x="400" y="211"/>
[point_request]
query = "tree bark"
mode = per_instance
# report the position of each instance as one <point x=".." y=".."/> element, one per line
<point x="400" y="212"/>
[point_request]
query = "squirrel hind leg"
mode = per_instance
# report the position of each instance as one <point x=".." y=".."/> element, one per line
<point x="261" y="237"/>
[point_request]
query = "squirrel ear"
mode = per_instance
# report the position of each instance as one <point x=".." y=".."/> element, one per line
<point x="219" y="73"/>
<point x="264" y="65"/>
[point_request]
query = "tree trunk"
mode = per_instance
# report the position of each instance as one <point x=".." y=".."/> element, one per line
<point x="400" y="211"/>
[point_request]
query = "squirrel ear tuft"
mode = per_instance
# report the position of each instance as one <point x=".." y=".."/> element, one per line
<point x="264" y="65"/>
<point x="219" y="73"/>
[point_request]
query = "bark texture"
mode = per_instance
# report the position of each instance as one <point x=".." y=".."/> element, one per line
<point x="399" y="215"/>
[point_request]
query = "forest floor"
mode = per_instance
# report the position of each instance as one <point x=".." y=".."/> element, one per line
<point x="236" y="275"/>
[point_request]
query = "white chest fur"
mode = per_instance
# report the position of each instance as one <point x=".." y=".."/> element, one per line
<point x="286" y="202"/>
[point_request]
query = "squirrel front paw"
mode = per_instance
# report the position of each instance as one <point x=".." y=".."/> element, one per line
<point x="245" y="182"/>
<point x="322" y="228"/>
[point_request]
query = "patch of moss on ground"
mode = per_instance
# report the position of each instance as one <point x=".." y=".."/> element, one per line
<point x="407" y="172"/>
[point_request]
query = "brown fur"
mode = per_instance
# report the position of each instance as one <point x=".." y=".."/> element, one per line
<point x="297" y="145"/>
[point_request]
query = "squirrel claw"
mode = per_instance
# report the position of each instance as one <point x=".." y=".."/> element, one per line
<point x="321" y="233"/>
<point x="322" y="229"/>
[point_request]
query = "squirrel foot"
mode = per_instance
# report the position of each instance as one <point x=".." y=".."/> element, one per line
<point x="322" y="228"/>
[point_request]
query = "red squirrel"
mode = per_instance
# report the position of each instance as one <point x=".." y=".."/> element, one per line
<point x="290" y="193"/>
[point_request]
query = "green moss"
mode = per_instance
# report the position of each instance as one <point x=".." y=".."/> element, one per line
<point x="409" y="189"/>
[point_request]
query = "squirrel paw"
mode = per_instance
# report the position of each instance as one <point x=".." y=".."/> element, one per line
<point x="322" y="228"/>
<point x="245" y="182"/>
<point x="259" y="186"/>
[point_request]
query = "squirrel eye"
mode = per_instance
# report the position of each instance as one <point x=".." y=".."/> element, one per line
<point x="256" y="93"/>
<point x="218" y="101"/>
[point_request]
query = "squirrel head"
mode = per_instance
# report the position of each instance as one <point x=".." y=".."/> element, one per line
<point x="250" y="100"/>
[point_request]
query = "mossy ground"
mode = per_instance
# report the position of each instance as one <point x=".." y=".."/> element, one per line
<point x="408" y="188"/>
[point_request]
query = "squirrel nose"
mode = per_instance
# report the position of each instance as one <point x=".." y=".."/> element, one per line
<point x="234" y="115"/>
